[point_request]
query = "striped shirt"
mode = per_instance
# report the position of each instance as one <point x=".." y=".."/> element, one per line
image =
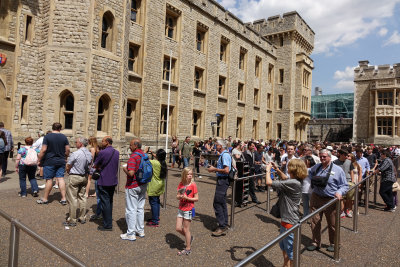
<point x="133" y="165"/>
<point x="9" y="139"/>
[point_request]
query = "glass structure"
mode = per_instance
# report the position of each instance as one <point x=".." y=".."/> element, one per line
<point x="332" y="106"/>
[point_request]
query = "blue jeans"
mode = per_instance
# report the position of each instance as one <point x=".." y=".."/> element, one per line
<point x="154" y="202"/>
<point x="24" y="170"/>
<point x="106" y="194"/>
<point x="306" y="203"/>
<point x="186" y="162"/>
<point x="287" y="243"/>
<point x="98" y="208"/>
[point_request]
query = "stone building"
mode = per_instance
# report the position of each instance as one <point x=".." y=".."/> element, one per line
<point x="102" y="67"/>
<point x="377" y="104"/>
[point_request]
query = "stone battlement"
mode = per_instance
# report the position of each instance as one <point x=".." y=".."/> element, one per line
<point x="367" y="72"/>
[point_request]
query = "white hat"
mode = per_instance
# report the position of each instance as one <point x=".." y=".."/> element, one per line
<point x="329" y="148"/>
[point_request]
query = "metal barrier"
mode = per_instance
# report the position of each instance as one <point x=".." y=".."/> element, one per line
<point x="296" y="229"/>
<point x="16" y="226"/>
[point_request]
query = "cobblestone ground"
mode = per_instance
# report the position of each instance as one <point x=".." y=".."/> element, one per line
<point x="376" y="243"/>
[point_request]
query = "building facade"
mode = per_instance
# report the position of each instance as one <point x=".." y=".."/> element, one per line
<point x="103" y="67"/>
<point x="376" y="104"/>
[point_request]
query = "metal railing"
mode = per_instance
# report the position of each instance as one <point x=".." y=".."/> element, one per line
<point x="296" y="229"/>
<point x="16" y="226"/>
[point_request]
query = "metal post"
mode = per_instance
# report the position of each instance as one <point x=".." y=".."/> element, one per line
<point x="375" y="187"/>
<point x="367" y="195"/>
<point x="355" y="210"/>
<point x="233" y="205"/>
<point x="268" y="199"/>
<point x="296" y="247"/>
<point x="337" y="232"/>
<point x="14" y="245"/>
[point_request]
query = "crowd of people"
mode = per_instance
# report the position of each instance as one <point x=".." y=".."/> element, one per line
<point x="303" y="174"/>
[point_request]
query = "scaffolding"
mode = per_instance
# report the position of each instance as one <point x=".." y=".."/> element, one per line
<point x="332" y="106"/>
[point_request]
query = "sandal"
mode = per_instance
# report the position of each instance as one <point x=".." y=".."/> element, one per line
<point x="41" y="201"/>
<point x="184" y="252"/>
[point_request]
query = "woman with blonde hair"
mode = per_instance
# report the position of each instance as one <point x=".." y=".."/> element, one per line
<point x="94" y="150"/>
<point x="289" y="191"/>
<point x="356" y="176"/>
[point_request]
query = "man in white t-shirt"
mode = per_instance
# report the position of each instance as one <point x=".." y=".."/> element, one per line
<point x="290" y="150"/>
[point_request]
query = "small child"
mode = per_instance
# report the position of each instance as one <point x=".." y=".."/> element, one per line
<point x="187" y="195"/>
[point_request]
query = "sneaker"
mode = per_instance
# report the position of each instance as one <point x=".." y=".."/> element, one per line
<point x="63" y="202"/>
<point x="152" y="224"/>
<point x="55" y="186"/>
<point x="395" y="207"/>
<point x="219" y="232"/>
<point x="312" y="248"/>
<point x="35" y="194"/>
<point x="349" y="213"/>
<point x="95" y="217"/>
<point x="331" y="248"/>
<point x="128" y="237"/>
<point x="343" y="215"/>
<point x="42" y="186"/>
<point x="141" y="234"/>
<point x="199" y="176"/>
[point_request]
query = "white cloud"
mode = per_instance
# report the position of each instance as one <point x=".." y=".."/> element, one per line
<point x="393" y="40"/>
<point x="382" y="32"/>
<point x="335" y="23"/>
<point x="345" y="80"/>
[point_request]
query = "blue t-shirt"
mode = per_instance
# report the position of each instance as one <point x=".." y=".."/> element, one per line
<point x="224" y="160"/>
<point x="55" y="153"/>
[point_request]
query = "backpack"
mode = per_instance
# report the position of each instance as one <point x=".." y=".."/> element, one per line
<point x="145" y="171"/>
<point x="31" y="157"/>
<point x="232" y="171"/>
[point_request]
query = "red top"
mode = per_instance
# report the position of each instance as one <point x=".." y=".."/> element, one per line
<point x="133" y="165"/>
<point x="190" y="191"/>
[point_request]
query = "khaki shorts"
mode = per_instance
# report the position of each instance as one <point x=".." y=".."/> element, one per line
<point x="350" y="194"/>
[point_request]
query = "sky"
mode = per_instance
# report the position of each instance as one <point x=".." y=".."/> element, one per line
<point x="346" y="31"/>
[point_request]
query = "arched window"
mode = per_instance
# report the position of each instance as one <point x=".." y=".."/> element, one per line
<point x="67" y="109"/>
<point x="107" y="31"/>
<point x="103" y="108"/>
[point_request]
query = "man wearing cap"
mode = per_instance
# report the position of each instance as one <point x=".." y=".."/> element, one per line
<point x="78" y="170"/>
<point x="335" y="187"/>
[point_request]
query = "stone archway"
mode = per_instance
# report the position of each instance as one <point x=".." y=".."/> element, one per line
<point x="5" y="104"/>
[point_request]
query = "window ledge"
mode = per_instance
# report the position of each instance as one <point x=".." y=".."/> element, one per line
<point x="197" y="91"/>
<point x="173" y="86"/>
<point x="221" y="97"/>
<point x="136" y="23"/>
<point x="67" y="132"/>
<point x="171" y="39"/>
<point x="134" y="75"/>
<point x="241" y="103"/>
<point x="257" y="107"/>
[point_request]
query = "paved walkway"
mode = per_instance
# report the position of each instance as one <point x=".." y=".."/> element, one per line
<point x="376" y="244"/>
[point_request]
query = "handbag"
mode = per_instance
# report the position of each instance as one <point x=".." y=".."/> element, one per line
<point x="97" y="173"/>
<point x="275" y="210"/>
<point x="321" y="181"/>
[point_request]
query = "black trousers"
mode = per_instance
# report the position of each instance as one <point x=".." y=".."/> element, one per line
<point x="219" y="204"/>
<point x="106" y="195"/>
<point x="386" y="192"/>
<point x="197" y="164"/>
<point x="6" y="154"/>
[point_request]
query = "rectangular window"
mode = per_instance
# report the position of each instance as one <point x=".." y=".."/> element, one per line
<point x="280" y="101"/>
<point x="198" y="78"/>
<point x="196" y="123"/>
<point x="281" y="41"/>
<point x="28" y="28"/>
<point x="306" y="79"/>
<point x="267" y="131"/>
<point x="281" y="75"/>
<point x="257" y="70"/>
<point x="255" y="130"/>
<point x="239" y="128"/>
<point x="24" y="107"/>
<point x="223" y="50"/>
<point x="171" y="22"/>
<point x="240" y="91"/>
<point x="220" y="125"/>
<point x="130" y="116"/>
<point x="201" y="35"/>
<point x="385" y="98"/>
<point x="221" y="86"/>
<point x="242" y="59"/>
<point x="269" y="101"/>
<point x="385" y="126"/>
<point x="279" y="130"/>
<point x="256" y="96"/>
<point x="270" y="73"/>
<point x="163" y="120"/>
<point x="169" y="69"/>
<point x="135" y="10"/>
<point x="133" y="62"/>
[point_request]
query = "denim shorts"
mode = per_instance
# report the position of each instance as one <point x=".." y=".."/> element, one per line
<point x="187" y="215"/>
<point x="287" y="243"/>
<point x="49" y="172"/>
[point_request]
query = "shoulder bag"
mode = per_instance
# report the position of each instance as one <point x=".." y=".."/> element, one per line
<point x="97" y="173"/>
